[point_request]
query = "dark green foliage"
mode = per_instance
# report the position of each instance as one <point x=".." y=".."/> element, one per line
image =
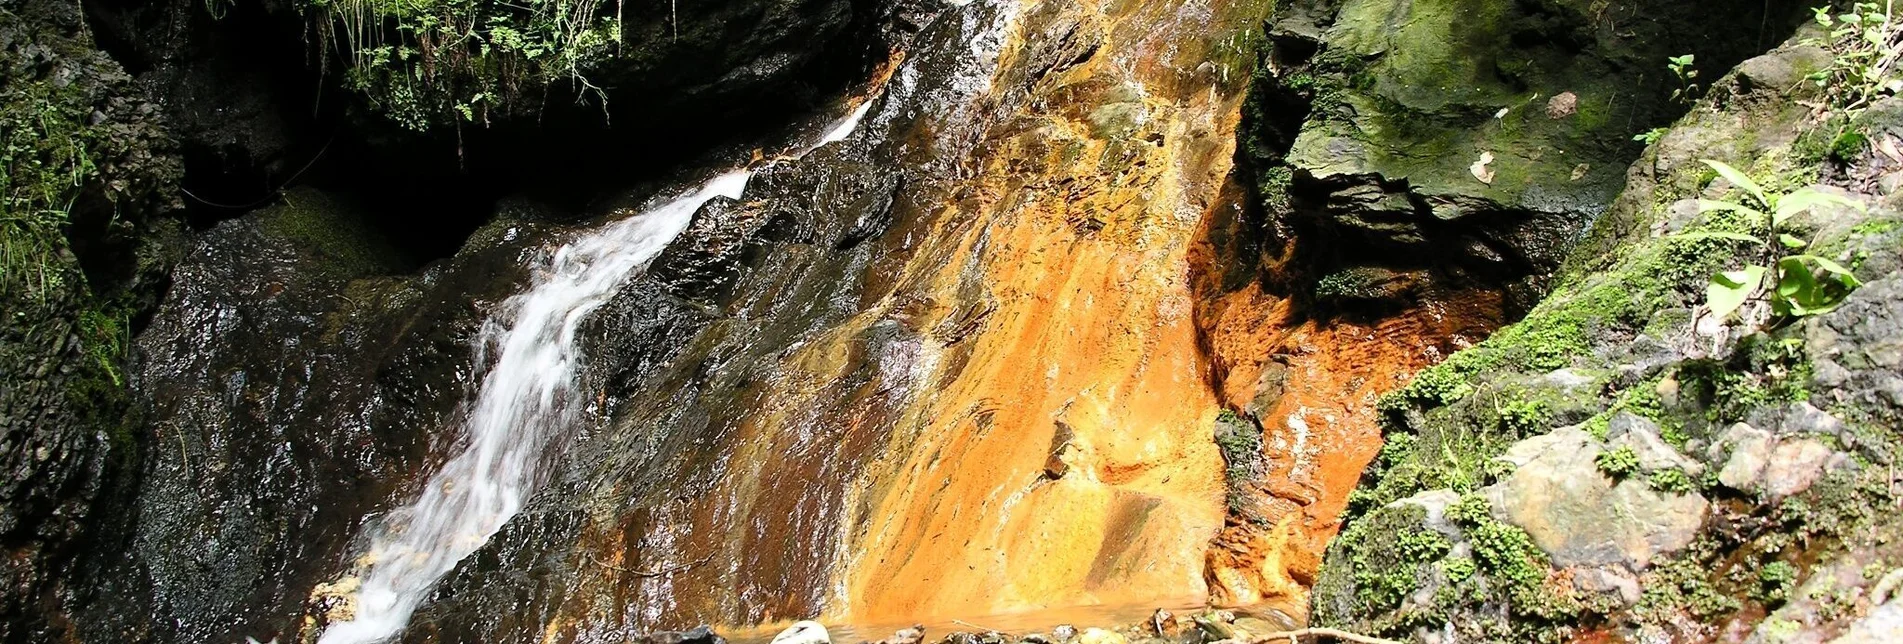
<point x="426" y="62"/>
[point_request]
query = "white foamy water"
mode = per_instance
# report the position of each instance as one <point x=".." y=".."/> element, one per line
<point x="527" y="399"/>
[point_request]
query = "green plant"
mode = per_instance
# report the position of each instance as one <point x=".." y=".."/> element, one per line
<point x="1775" y="581"/>
<point x="46" y="158"/>
<point x="1521" y="417"/>
<point x="1617" y="463"/>
<point x="1673" y="480"/>
<point x="1460" y="569"/>
<point x="1794" y="287"/>
<point x="1687" y="76"/>
<point x="423" y="62"/>
<point x="1652" y="136"/>
<point x="1865" y="44"/>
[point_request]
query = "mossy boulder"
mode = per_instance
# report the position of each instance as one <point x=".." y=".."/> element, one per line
<point x="1479" y="138"/>
<point x="1622" y="380"/>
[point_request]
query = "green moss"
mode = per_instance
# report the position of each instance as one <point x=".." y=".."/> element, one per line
<point x="1359" y="283"/>
<point x="46" y="159"/>
<point x="1240" y="442"/>
<point x="331" y="232"/>
<point x="1522" y="417"/>
<point x="1386" y="555"/>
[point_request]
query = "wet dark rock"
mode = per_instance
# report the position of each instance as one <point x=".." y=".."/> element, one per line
<point x="71" y="292"/>
<point x="697" y="635"/>
<point x="288" y="381"/>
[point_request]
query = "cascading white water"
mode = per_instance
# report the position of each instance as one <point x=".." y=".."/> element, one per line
<point x="527" y="399"/>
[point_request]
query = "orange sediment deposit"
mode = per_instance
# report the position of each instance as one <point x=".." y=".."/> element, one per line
<point x="1312" y="384"/>
<point x="1065" y="458"/>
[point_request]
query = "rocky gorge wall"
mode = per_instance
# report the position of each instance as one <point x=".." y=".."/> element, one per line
<point x="1096" y="307"/>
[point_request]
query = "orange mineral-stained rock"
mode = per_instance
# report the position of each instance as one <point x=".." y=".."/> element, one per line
<point x="1082" y="219"/>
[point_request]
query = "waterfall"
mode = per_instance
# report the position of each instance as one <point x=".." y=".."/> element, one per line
<point x="527" y="399"/>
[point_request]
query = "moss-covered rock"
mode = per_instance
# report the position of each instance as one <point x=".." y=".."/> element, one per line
<point x="1470" y="137"/>
<point x="1624" y="356"/>
<point x="85" y="176"/>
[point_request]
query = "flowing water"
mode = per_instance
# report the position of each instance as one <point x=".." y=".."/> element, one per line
<point x="526" y="402"/>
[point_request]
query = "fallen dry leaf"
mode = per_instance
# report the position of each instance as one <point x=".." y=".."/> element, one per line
<point x="1480" y="169"/>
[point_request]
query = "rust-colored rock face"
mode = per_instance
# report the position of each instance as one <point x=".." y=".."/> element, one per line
<point x="965" y="362"/>
<point x="976" y="365"/>
<point x="1312" y="386"/>
<point x="1010" y="410"/>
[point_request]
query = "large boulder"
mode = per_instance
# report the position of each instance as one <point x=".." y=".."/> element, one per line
<point x="1581" y="516"/>
<point x="1481" y="138"/>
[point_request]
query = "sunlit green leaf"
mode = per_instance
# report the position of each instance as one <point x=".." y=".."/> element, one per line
<point x="1808" y="199"/>
<point x="1731" y="289"/>
<point x="1716" y="234"/>
<point x="1738" y="179"/>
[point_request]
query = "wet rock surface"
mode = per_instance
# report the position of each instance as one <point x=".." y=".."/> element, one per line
<point x="84" y="251"/>
<point x="285" y="381"/>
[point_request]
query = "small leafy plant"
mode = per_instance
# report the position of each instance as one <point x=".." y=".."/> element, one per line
<point x="1617" y="463"/>
<point x="1797" y="284"/>
<point x="1683" y="70"/>
<point x="1673" y="480"/>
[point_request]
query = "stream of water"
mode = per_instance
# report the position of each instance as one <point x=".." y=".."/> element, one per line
<point x="527" y="399"/>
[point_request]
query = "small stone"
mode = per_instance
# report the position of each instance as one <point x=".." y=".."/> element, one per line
<point x="1162" y="621"/>
<point x="912" y="635"/>
<point x="1435" y="502"/>
<point x="1215" y="630"/>
<point x="1100" y="636"/>
<point x="1064" y="632"/>
<point x="1612" y="582"/>
<point x="1884" y="625"/>
<point x="1794" y="466"/>
<point x="1750" y="451"/>
<point x="1035" y="638"/>
<point x="804" y="632"/>
<point x="1253" y="628"/>
<point x="1806" y="419"/>
<point x="1561" y="106"/>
